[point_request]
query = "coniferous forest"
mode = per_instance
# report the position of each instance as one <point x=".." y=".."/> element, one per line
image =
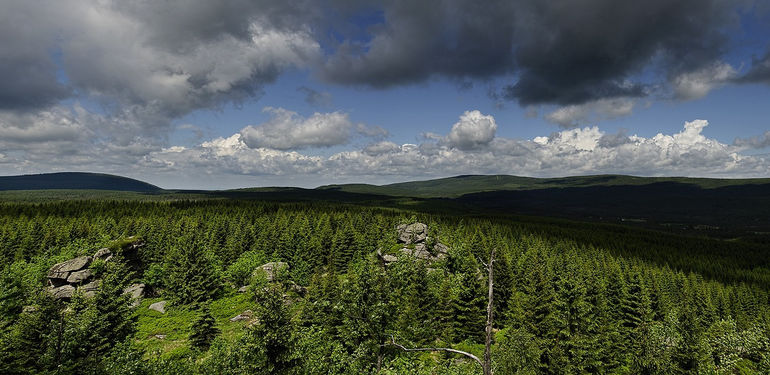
<point x="384" y="187"/>
<point x="343" y="293"/>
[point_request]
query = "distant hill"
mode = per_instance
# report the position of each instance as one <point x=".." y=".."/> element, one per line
<point x="454" y="187"/>
<point x="75" y="180"/>
<point x="721" y="207"/>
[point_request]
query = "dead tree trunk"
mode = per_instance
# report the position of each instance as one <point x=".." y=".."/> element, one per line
<point x="486" y="364"/>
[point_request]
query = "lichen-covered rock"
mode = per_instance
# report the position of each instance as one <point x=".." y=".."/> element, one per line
<point x="416" y="243"/>
<point x="159" y="307"/>
<point x="134" y="244"/>
<point x="412" y="233"/>
<point x="78" y="277"/>
<point x="440" y="250"/>
<point x="271" y="270"/>
<point x="62" y="292"/>
<point x="296" y="288"/>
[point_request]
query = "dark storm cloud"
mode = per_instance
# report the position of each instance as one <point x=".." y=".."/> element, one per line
<point x="168" y="58"/>
<point x="28" y="83"/>
<point x="563" y="51"/>
<point x="420" y="39"/>
<point x="27" y="70"/>
<point x="759" y="72"/>
<point x="179" y="24"/>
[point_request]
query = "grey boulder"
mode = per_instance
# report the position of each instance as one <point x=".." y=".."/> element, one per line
<point x="62" y="270"/>
<point x="63" y="292"/>
<point x="90" y="289"/>
<point x="246" y="315"/>
<point x="79" y="276"/>
<point x="159" y="307"/>
<point x="136" y="291"/>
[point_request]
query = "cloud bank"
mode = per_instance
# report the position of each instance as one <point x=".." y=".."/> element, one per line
<point x="568" y="152"/>
<point x="469" y="147"/>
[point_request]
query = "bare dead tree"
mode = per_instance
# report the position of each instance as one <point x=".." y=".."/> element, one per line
<point x="486" y="364"/>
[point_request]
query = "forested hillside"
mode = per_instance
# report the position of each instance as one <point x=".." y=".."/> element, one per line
<point x="562" y="304"/>
<point x="74" y="180"/>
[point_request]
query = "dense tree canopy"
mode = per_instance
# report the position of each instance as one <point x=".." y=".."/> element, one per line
<point x="567" y="301"/>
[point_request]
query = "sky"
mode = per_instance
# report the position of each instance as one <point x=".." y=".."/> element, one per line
<point x="241" y="93"/>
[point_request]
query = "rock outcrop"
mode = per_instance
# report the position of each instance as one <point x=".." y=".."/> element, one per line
<point x="159" y="307"/>
<point x="66" y="277"/>
<point x="63" y="292"/>
<point x="271" y="270"/>
<point x="60" y="272"/>
<point x="412" y="233"/>
<point x="416" y="243"/>
<point x="104" y="254"/>
<point x="90" y="289"/>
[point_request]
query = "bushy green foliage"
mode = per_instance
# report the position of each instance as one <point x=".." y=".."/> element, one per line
<point x="241" y="270"/>
<point x="266" y="347"/>
<point x="154" y="276"/>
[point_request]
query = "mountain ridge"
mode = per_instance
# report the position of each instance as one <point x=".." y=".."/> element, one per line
<point x="75" y="180"/>
<point x="456" y="186"/>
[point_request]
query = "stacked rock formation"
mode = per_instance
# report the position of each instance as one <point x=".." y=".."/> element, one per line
<point x="416" y="243"/>
<point x="66" y="277"/>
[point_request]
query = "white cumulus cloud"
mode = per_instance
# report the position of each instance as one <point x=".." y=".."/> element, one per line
<point x="288" y="130"/>
<point x="473" y="130"/>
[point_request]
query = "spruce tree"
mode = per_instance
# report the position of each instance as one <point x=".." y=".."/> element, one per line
<point x="203" y="330"/>
<point x="114" y="321"/>
<point x="11" y="297"/>
<point x="191" y="274"/>
<point x="468" y="310"/>
<point x="268" y="347"/>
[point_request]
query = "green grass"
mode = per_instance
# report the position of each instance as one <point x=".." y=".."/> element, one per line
<point x="175" y="323"/>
